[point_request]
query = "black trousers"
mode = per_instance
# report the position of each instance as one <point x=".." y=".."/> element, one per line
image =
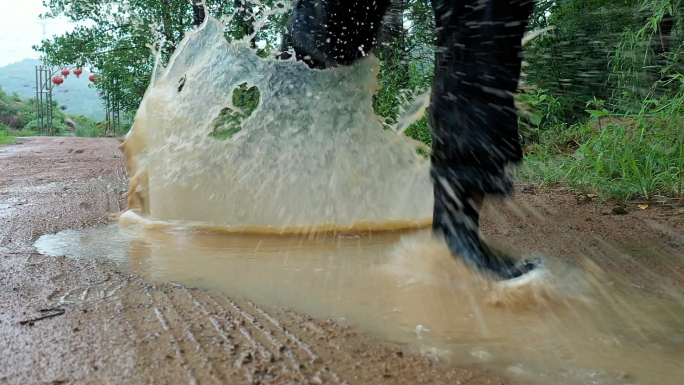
<point x="477" y="68"/>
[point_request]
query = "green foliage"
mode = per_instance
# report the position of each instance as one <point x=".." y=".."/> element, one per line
<point x="406" y="54"/>
<point x="623" y="162"/>
<point x="25" y="132"/>
<point x="626" y="139"/>
<point x="14" y="111"/>
<point x="32" y="126"/>
<point x="570" y="61"/>
<point x="117" y="42"/>
<point x="229" y="122"/>
<point x="648" y="55"/>
<point x="5" y="137"/>
<point x="87" y="127"/>
<point x="420" y="131"/>
<point x="539" y="112"/>
<point x="628" y="67"/>
<point x="632" y="156"/>
<point x="18" y="118"/>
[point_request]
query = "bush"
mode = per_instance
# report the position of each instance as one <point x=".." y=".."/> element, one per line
<point x="26" y="133"/>
<point x="643" y="156"/>
<point x="32" y="126"/>
<point x="620" y="158"/>
<point x="539" y="112"/>
<point x="5" y="137"/>
<point x="87" y="127"/>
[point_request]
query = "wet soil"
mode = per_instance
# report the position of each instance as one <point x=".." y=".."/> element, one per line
<point x="111" y="326"/>
<point x="117" y="326"/>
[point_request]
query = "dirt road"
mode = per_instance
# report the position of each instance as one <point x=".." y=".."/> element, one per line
<point x="121" y="328"/>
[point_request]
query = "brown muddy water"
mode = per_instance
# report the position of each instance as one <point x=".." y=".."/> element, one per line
<point x="567" y="325"/>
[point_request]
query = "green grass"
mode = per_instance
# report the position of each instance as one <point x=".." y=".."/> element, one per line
<point x="88" y="131"/>
<point x="5" y="137"/>
<point x="26" y="133"/>
<point x="638" y="158"/>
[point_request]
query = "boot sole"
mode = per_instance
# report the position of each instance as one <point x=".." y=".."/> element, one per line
<point x="533" y="275"/>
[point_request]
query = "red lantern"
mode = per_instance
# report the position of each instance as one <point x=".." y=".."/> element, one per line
<point x="57" y="80"/>
<point x="78" y="72"/>
<point x="65" y="72"/>
<point x="91" y="78"/>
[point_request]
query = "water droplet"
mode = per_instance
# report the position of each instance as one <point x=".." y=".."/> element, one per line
<point x="421" y="330"/>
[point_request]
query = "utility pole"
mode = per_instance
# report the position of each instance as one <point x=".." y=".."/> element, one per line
<point x="113" y="115"/>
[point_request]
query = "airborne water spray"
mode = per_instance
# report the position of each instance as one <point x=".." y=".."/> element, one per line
<point x="313" y="155"/>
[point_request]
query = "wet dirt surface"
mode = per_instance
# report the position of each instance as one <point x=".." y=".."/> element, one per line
<point x="117" y="327"/>
<point x="643" y="248"/>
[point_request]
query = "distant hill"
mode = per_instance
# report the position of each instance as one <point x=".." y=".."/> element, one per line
<point x="20" y="77"/>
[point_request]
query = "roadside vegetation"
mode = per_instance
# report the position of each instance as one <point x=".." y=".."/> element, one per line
<point x="18" y="118"/>
<point x="5" y="137"/>
<point x="609" y="119"/>
<point x="601" y="103"/>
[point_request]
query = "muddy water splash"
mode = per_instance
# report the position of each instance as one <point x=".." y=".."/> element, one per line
<point x="569" y="327"/>
<point x="313" y="155"/>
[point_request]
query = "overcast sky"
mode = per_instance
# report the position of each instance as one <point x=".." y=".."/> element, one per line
<point x="20" y="28"/>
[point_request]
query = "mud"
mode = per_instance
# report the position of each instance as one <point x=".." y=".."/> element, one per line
<point x="118" y="327"/>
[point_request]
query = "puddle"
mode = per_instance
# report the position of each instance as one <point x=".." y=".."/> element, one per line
<point x="570" y="327"/>
<point x="8" y="206"/>
<point x="8" y="150"/>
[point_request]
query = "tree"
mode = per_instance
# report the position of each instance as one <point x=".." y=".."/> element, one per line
<point x="406" y="53"/>
<point x="120" y="38"/>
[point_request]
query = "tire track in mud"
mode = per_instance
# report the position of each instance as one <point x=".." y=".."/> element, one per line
<point x="186" y="339"/>
<point x="172" y="338"/>
<point x="98" y="291"/>
<point x="209" y="337"/>
<point x="226" y="337"/>
<point x="212" y="338"/>
<point x="303" y="346"/>
<point x="156" y="344"/>
<point x="262" y="363"/>
<point x="229" y="344"/>
<point x="249" y="349"/>
<point x="323" y="374"/>
<point x="300" y="357"/>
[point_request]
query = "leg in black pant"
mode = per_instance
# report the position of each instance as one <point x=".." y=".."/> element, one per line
<point x="473" y="119"/>
<point x="472" y="115"/>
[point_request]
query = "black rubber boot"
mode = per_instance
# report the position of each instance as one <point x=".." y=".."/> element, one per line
<point x="456" y="217"/>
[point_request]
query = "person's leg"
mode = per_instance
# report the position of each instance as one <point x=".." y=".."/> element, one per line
<point x="473" y="119"/>
<point x="331" y="33"/>
<point x="472" y="115"/>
